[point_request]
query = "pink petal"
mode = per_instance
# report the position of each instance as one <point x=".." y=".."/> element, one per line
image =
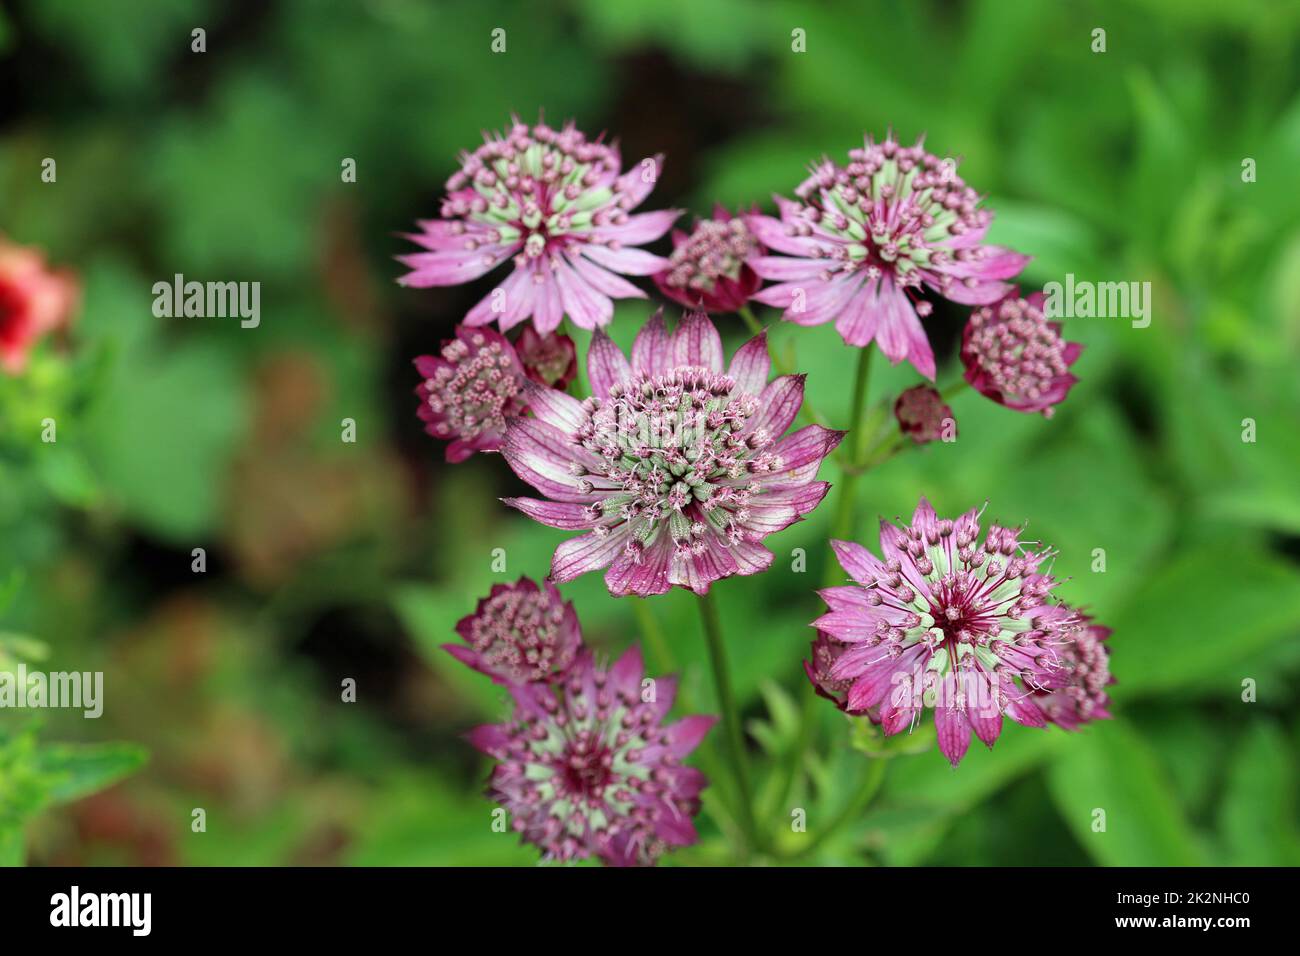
<point x="652" y="352"/>
<point x="439" y="235"/>
<point x="515" y="296"/>
<point x="779" y="402"/>
<point x="900" y="334"/>
<point x="639" y="229"/>
<point x="645" y="577"/>
<point x="451" y="267"/>
<point x="568" y="515"/>
<point x="589" y="552"/>
<point x="627" y="671"/>
<point x="554" y="407"/>
<point x="491" y="739"/>
<point x="953" y="730"/>
<point x="859" y="323"/>
<point x="639" y="181"/>
<point x="774" y="234"/>
<point x="548" y="306"/>
<point x="629" y="261"/>
<point x="924" y="519"/>
<point x="697" y="342"/>
<point x="751" y="365"/>
<point x="685" y="735"/>
<point x="588" y="307"/>
<point x="605" y="281"/>
<point x="607" y="366"/>
<point x="540" y="454"/>
<point x="996" y="263"/>
<point x="802" y="453"/>
<point x="787" y="268"/>
<point x="861" y="565"/>
<point x="698" y="573"/>
<point x="985" y="718"/>
<point x="750" y="556"/>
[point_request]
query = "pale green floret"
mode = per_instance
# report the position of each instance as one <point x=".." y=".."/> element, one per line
<point x="1012" y="625"/>
<point x="593" y="199"/>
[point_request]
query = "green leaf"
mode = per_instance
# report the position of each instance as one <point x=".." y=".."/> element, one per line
<point x="1257" y="817"/>
<point x="1183" y="625"/>
<point x="927" y="782"/>
<point x="78" y="770"/>
<point x="164" y="434"/>
<point x="1109" y="767"/>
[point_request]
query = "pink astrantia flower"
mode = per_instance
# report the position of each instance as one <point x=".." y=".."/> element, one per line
<point x="675" y="470"/>
<point x="709" y="268"/>
<point x="864" y="239"/>
<point x="34" y="301"/>
<point x="470" y="390"/>
<point x="520" y="633"/>
<point x="550" y="360"/>
<point x="1084" y="697"/>
<point x="921" y="413"/>
<point x="587" y="769"/>
<point x="948" y="622"/>
<point x="1016" y="357"/>
<point x="558" y="204"/>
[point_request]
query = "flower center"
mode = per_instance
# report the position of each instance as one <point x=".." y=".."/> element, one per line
<point x="520" y="632"/>
<point x="716" y="249"/>
<point x="678" y="450"/>
<point x="477" y="391"/>
<point x="886" y="211"/>
<point x="587" y="767"/>
<point x="1019" y="350"/>
<point x="535" y="187"/>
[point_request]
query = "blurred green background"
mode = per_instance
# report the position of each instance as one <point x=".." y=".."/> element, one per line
<point x="329" y="560"/>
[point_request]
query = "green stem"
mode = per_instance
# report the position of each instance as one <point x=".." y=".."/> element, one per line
<point x="578" y="388"/>
<point x="654" y="636"/>
<point x="707" y="754"/>
<point x="841" y="528"/>
<point x="846" y="508"/>
<point x="873" y="777"/>
<point x="730" y="717"/>
<point x="746" y="313"/>
<point x="955" y="388"/>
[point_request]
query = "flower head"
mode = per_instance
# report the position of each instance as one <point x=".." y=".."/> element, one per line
<point x="470" y="390"/>
<point x="921" y="413"/>
<point x="34" y="301"/>
<point x="1016" y="357"/>
<point x="675" y="469"/>
<point x="865" y="238"/>
<point x="550" y="360"/>
<point x="823" y="653"/>
<point x="1084" y="697"/>
<point x="586" y="767"/>
<point x="558" y="204"/>
<point x="947" y="622"/>
<point x="520" y="633"/>
<point x="709" y="269"/>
